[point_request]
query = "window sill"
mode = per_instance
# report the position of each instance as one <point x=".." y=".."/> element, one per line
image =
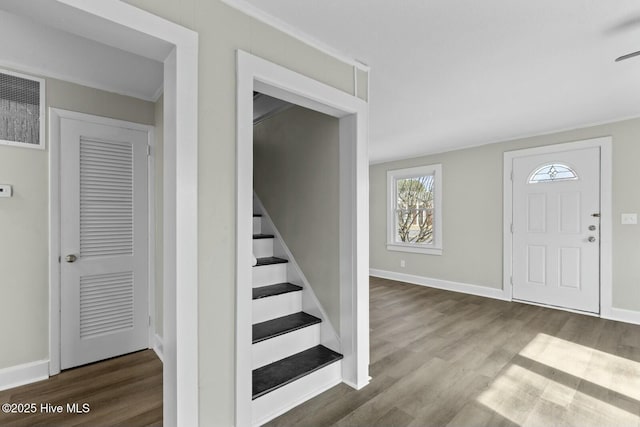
<point x="414" y="249"/>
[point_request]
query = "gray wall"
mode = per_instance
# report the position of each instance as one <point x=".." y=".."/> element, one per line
<point x="221" y="31"/>
<point x="296" y="176"/>
<point x="24" y="219"/>
<point x="472" y="212"/>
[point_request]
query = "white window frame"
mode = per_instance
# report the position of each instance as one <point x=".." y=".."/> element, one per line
<point x="40" y="145"/>
<point x="434" y="248"/>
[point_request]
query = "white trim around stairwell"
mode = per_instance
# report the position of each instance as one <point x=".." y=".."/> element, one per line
<point x="157" y="347"/>
<point x="466" y="288"/>
<point x="27" y="373"/>
<point x="622" y="315"/>
<point x="257" y="74"/>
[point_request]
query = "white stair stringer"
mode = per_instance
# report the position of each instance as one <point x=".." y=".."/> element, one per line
<point x="271" y="405"/>
<point x="276" y="306"/>
<point x="273" y="349"/>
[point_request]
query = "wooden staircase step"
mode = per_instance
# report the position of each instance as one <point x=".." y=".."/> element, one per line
<point x="270" y="260"/>
<point x="263" y="236"/>
<point x="273" y="290"/>
<point x="282" y="325"/>
<point x="284" y="371"/>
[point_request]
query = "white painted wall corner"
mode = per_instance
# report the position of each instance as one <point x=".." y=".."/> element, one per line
<point x="26" y="373"/>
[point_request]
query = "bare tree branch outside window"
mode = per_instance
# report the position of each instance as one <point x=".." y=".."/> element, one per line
<point x="414" y="209"/>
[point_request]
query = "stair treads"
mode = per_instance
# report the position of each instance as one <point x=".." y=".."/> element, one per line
<point x="270" y="260"/>
<point x="284" y="371"/>
<point x="277" y="289"/>
<point x="282" y="325"/>
<point x="262" y="236"/>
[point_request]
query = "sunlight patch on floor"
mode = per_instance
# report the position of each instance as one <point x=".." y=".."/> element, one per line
<point x="514" y="393"/>
<point x="604" y="369"/>
<point x="555" y="379"/>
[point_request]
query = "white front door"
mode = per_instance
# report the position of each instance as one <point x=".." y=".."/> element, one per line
<point x="556" y="229"/>
<point x="104" y="241"/>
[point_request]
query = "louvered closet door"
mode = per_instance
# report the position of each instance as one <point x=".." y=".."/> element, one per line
<point x="104" y="242"/>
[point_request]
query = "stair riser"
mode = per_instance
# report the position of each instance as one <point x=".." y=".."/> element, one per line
<point x="262" y="248"/>
<point x="269" y="274"/>
<point x="268" y="351"/>
<point x="279" y="401"/>
<point x="257" y="225"/>
<point x="276" y="306"/>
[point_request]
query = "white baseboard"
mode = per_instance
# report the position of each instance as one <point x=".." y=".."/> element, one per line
<point x="26" y="373"/>
<point x="465" y="288"/>
<point x="157" y="347"/>
<point x="356" y="386"/>
<point x="622" y="315"/>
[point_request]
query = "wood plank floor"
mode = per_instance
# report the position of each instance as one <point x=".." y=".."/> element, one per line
<point x="124" y="391"/>
<point x="441" y="358"/>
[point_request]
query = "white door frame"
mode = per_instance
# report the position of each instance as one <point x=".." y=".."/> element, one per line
<point x="55" y="147"/>
<point x="255" y="73"/>
<point x="180" y="210"/>
<point x="606" y="212"/>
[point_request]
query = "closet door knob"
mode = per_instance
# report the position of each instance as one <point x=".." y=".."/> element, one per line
<point x="71" y="258"/>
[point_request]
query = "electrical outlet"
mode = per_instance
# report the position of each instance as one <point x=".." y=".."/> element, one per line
<point x="6" y="190"/>
<point x="402" y="263"/>
<point x="629" y="218"/>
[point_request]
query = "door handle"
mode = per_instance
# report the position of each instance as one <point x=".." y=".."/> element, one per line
<point x="71" y="258"/>
<point x="591" y="239"/>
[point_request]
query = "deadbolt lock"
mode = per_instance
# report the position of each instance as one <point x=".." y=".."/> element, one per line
<point x="592" y="227"/>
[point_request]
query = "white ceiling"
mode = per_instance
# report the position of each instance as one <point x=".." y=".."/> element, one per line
<point x="38" y="40"/>
<point x="447" y="74"/>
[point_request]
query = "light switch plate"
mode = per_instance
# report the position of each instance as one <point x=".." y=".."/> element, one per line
<point x="6" y="190"/>
<point x="629" y="218"/>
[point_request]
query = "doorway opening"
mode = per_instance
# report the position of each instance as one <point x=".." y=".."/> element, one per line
<point x="557" y="226"/>
<point x="121" y="26"/>
<point x="258" y="75"/>
<point x="102" y="171"/>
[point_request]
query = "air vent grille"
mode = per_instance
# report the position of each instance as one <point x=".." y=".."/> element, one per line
<point x="20" y="109"/>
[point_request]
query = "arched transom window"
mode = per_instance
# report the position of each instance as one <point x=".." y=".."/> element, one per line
<point x="552" y="172"/>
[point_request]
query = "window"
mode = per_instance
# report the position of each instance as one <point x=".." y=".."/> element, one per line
<point x="414" y="218"/>
<point x="552" y="172"/>
<point x="21" y="110"/>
